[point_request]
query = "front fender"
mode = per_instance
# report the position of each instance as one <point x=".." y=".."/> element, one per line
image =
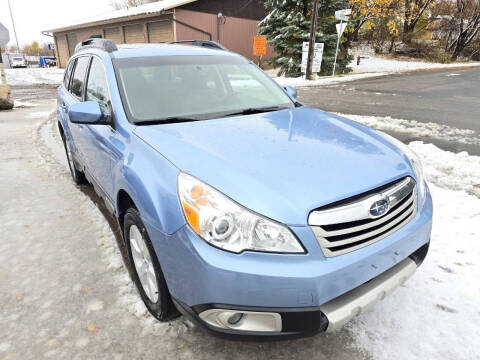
<point x="151" y="181"/>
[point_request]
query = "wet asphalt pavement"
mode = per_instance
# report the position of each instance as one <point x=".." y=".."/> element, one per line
<point x="449" y="97"/>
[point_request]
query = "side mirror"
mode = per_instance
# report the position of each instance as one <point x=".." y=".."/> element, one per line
<point x="291" y="92"/>
<point x="88" y="112"/>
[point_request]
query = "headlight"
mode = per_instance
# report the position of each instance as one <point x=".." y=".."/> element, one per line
<point x="225" y="224"/>
<point x="414" y="161"/>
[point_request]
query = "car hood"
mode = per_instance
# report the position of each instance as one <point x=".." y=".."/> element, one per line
<point x="281" y="164"/>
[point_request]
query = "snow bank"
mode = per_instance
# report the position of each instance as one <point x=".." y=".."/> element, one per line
<point x="34" y="76"/>
<point x="449" y="170"/>
<point x="446" y="169"/>
<point x="419" y="129"/>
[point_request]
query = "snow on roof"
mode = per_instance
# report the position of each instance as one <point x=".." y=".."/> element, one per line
<point x="150" y="8"/>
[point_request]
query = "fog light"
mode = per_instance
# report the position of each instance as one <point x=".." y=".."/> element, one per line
<point x="243" y="320"/>
<point x="235" y="318"/>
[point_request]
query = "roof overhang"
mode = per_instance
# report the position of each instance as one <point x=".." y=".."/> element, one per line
<point x="133" y="13"/>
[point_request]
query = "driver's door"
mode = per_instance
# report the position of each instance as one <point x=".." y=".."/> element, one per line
<point x="102" y="149"/>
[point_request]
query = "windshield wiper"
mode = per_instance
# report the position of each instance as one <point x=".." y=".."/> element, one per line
<point x="258" y="110"/>
<point x="167" y="120"/>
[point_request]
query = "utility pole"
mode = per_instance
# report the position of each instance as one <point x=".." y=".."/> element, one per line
<point x="311" y="45"/>
<point x="13" y="23"/>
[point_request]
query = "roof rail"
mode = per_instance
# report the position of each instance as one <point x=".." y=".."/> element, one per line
<point x="202" y="43"/>
<point x="95" y="43"/>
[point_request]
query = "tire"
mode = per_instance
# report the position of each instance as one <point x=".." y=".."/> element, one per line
<point x="77" y="176"/>
<point x="150" y="283"/>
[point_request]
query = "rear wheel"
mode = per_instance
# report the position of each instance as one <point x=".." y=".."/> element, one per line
<point x="147" y="274"/>
<point x="78" y="176"/>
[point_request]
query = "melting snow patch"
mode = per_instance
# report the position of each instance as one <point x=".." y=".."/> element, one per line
<point x="38" y="114"/>
<point x="419" y="129"/>
<point x="94" y="305"/>
<point x="22" y="104"/>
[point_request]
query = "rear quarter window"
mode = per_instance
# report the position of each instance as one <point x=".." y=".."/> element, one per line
<point x="68" y="73"/>
<point x="78" y="79"/>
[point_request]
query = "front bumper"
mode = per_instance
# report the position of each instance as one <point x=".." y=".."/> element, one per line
<point x="329" y="317"/>
<point x="297" y="287"/>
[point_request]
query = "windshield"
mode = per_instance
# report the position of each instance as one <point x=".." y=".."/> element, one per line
<point x="198" y="87"/>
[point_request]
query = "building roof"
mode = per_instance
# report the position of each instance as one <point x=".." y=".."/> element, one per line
<point x="125" y="14"/>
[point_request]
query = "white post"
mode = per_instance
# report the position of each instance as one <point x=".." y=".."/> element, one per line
<point x="338" y="43"/>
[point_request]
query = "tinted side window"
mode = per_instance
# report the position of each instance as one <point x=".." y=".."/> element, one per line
<point x="79" y="76"/>
<point x="68" y="72"/>
<point x="97" y="86"/>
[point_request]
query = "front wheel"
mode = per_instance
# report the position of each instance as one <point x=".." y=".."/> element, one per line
<point x="78" y="176"/>
<point x="147" y="274"/>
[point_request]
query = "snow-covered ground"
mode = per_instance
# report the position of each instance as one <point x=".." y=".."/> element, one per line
<point x="371" y="66"/>
<point x="372" y="63"/>
<point x="324" y="80"/>
<point x="34" y="76"/>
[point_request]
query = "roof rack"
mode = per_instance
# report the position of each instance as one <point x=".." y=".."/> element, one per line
<point x="95" y="43"/>
<point x="202" y="43"/>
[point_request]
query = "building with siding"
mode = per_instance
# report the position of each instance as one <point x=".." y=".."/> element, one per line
<point x="169" y="20"/>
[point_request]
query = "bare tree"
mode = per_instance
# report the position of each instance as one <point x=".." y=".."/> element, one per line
<point x="125" y="4"/>
<point x="459" y="26"/>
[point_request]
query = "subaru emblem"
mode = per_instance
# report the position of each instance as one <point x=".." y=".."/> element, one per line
<point x="379" y="208"/>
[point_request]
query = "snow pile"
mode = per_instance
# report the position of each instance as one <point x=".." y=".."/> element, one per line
<point x="417" y="128"/>
<point x="34" y="76"/>
<point x="380" y="64"/>
<point x="448" y="170"/>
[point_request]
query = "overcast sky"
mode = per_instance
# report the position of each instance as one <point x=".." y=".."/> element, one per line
<point x="33" y="16"/>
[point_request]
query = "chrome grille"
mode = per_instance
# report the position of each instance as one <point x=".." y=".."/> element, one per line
<point x="350" y="225"/>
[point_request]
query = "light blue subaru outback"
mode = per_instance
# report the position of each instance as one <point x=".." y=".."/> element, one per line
<point x="254" y="215"/>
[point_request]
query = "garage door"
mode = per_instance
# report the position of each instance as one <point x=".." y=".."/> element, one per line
<point x="62" y="49"/>
<point x="134" y="34"/>
<point x="159" y="31"/>
<point x="114" y="34"/>
<point x="72" y="42"/>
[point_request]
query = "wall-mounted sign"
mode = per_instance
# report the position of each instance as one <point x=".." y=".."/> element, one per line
<point x="260" y="46"/>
